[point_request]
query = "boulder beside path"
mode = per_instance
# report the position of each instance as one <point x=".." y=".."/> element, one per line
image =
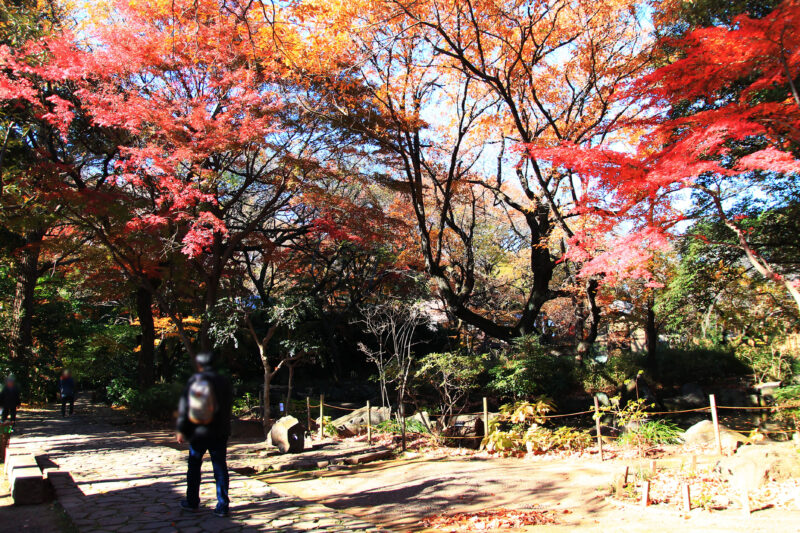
<point x="288" y="435"/>
<point x="355" y="422"/>
<point x="703" y="433"/>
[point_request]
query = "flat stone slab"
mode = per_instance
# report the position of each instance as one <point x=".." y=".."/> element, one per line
<point x="108" y="480"/>
<point x="27" y="485"/>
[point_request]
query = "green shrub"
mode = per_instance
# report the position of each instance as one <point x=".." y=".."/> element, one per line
<point x="541" y="439"/>
<point x="393" y="426"/>
<point x="328" y="428"/>
<point x="652" y="432"/>
<point x="247" y="405"/>
<point x="678" y="366"/>
<point x="121" y="392"/>
<point x="502" y="441"/>
<point x="530" y="368"/>
<point x="619" y="366"/>
<point x="765" y="363"/>
<point x="787" y="399"/>
<point x="159" y="402"/>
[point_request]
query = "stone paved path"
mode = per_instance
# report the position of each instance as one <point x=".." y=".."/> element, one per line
<point x="108" y="480"/>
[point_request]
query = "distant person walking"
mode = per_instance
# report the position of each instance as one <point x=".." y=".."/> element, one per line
<point x="204" y="420"/>
<point x="66" y="387"/>
<point x="10" y="399"/>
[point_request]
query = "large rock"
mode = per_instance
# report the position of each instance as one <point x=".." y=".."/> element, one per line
<point x="423" y="418"/>
<point x="355" y="422"/>
<point x="752" y="466"/>
<point x="288" y="435"/>
<point x="703" y="433"/>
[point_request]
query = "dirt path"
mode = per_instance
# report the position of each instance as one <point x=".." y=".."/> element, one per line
<point x="399" y="494"/>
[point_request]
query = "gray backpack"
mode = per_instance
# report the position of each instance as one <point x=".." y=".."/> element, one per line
<point x="202" y="402"/>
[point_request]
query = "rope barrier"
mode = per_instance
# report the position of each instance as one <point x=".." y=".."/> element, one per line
<point x="696" y="410"/>
<point x="567" y="414"/>
<point x="581" y="413"/>
<point x="340" y="407"/>
<point x="770" y="408"/>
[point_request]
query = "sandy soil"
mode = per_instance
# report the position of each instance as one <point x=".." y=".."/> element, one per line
<point x="400" y="493"/>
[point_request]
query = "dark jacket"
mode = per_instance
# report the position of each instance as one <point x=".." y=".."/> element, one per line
<point x="9" y="397"/>
<point x="67" y="387"/>
<point x="220" y="427"/>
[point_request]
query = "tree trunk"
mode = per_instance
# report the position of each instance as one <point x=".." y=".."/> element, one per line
<point x="289" y="389"/>
<point x="267" y="415"/>
<point x="651" y="334"/>
<point x="146" y="363"/>
<point x="588" y="339"/>
<point x="27" y="274"/>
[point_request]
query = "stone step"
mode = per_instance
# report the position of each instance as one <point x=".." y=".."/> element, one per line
<point x="27" y="485"/>
<point x="21" y="460"/>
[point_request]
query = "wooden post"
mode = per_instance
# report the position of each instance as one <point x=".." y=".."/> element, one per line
<point x="715" y="419"/>
<point x="622" y="481"/>
<point x="403" y="424"/>
<point x="687" y="498"/>
<point x="653" y="467"/>
<point x="321" y="417"/>
<point x="597" y="425"/>
<point x="369" y="424"/>
<point x="485" y="417"/>
<point x="308" y="413"/>
<point x="694" y="464"/>
<point x="645" y="494"/>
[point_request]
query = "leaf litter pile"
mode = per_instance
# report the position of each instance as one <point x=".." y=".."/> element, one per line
<point x="489" y="520"/>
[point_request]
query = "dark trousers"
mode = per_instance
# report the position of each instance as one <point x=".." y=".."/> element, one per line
<point x="67" y="400"/>
<point x="10" y="411"/>
<point x="217" y="451"/>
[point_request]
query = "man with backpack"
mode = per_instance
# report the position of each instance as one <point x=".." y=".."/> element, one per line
<point x="10" y="399"/>
<point x="204" y="420"/>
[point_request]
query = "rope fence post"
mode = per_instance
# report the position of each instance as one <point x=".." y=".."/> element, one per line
<point x="485" y="416"/>
<point x="687" y="498"/>
<point x="713" y="401"/>
<point x="369" y="424"/>
<point x="321" y="416"/>
<point x="308" y="412"/>
<point x="597" y="426"/>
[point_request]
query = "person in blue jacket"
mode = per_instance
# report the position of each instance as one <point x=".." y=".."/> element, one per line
<point x="66" y="387"/>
